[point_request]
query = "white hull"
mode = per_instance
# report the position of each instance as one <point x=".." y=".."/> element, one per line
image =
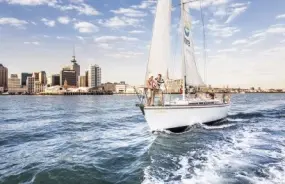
<point x="166" y="117"/>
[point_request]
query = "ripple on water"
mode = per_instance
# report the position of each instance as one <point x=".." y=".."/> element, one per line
<point x="105" y="139"/>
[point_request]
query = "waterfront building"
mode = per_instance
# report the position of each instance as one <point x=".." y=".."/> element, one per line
<point x="36" y="76"/>
<point x="3" y="77"/>
<point x="38" y="87"/>
<point x="86" y="78"/>
<point x="94" y="76"/>
<point x="42" y="77"/>
<point x="53" y="80"/>
<point x="173" y="86"/>
<point x="69" y="76"/>
<point x="121" y="88"/>
<point x="109" y="86"/>
<point x="82" y="81"/>
<point x="24" y="78"/>
<point x="14" y="85"/>
<point x="30" y="84"/>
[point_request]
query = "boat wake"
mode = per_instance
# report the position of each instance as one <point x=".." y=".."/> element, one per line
<point x="249" y="155"/>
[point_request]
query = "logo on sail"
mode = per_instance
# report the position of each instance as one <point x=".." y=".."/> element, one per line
<point x="187" y="33"/>
<point x="187" y="29"/>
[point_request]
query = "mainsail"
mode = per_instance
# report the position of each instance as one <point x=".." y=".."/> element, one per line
<point x="189" y="68"/>
<point x="160" y="45"/>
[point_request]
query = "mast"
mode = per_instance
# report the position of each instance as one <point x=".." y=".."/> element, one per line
<point x="183" y="55"/>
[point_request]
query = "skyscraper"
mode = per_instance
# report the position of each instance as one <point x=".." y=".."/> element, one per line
<point x="3" y="77"/>
<point x="42" y="78"/>
<point x="36" y="76"/>
<point x="82" y="81"/>
<point x="94" y="76"/>
<point x="54" y="80"/>
<point x="24" y="77"/>
<point x="75" y="66"/>
<point x="69" y="76"/>
<point x="30" y="84"/>
<point x="86" y="78"/>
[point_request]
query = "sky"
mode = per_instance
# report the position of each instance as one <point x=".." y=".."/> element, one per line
<point x="245" y="40"/>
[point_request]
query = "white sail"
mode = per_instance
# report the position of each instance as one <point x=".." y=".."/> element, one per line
<point x="189" y="68"/>
<point x="160" y="45"/>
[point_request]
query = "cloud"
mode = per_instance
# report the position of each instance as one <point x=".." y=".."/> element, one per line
<point x="86" y="27"/>
<point x="136" y="31"/>
<point x="31" y="2"/>
<point x="50" y="23"/>
<point x="129" y="12"/>
<point x="144" y="4"/>
<point x="205" y="3"/>
<point x="81" y="8"/>
<point x="280" y="16"/>
<point x="237" y="9"/>
<point x="114" y="38"/>
<point x="253" y="42"/>
<point x="258" y="34"/>
<point x="227" y="50"/>
<point x="13" y="22"/>
<point x="274" y="50"/>
<point x="218" y="41"/>
<point x="117" y="22"/>
<point x="104" y="46"/>
<point x="62" y="38"/>
<point x="222" y="30"/>
<point x="276" y="29"/>
<point x="80" y="38"/>
<point x="245" y="50"/>
<point x="126" y="54"/>
<point x="32" y="43"/>
<point x="63" y="20"/>
<point x="237" y="42"/>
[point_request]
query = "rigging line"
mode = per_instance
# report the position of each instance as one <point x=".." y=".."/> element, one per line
<point x="204" y="42"/>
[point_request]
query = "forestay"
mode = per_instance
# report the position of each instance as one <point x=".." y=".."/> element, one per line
<point x="160" y="45"/>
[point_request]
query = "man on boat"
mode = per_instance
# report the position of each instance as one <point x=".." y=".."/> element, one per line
<point x="161" y="88"/>
<point x="151" y="84"/>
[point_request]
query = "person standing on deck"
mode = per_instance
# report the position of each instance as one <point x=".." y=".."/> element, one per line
<point x="161" y="87"/>
<point x="150" y="90"/>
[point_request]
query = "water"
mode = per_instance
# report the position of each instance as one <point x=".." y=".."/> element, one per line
<point x="105" y="139"/>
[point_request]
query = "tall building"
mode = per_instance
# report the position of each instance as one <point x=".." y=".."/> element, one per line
<point x="86" y="78"/>
<point x="75" y="66"/>
<point x="42" y="77"/>
<point x="3" y="77"/>
<point x="55" y="80"/>
<point x="82" y="81"/>
<point x="69" y="76"/>
<point x="24" y="78"/>
<point x="38" y="87"/>
<point x="94" y="76"/>
<point x="30" y="85"/>
<point x="36" y="76"/>
<point x="14" y="84"/>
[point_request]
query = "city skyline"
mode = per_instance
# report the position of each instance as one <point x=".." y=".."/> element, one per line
<point x="245" y="39"/>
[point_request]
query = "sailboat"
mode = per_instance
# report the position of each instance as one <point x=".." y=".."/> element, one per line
<point x="185" y="111"/>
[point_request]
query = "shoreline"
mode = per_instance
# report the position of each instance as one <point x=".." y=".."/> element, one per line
<point x="121" y="94"/>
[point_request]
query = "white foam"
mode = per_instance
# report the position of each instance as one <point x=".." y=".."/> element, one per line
<point x="218" y="126"/>
<point x="231" y="157"/>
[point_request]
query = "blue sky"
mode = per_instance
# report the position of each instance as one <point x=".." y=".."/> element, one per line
<point x="245" y="39"/>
